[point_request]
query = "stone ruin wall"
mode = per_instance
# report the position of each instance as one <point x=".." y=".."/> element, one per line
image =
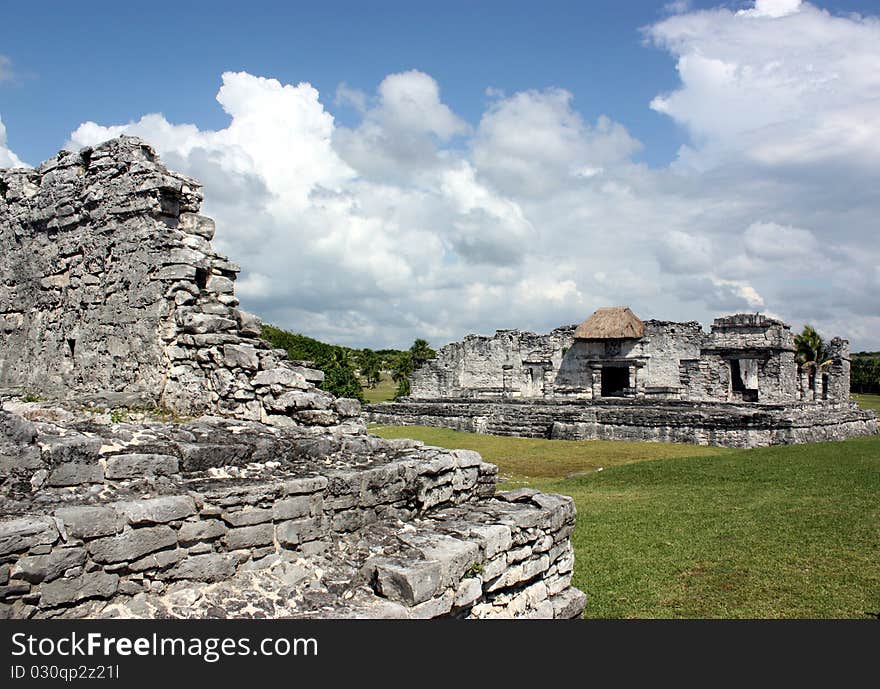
<point x="680" y="379"/>
<point x="521" y="364"/>
<point x="276" y="503"/>
<point x="222" y="517"/>
<point x="672" y="361"/>
<point x="676" y="421"/>
<point x="110" y="285"/>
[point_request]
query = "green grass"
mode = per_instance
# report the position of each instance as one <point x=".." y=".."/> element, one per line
<point x="383" y="392"/>
<point x="522" y="459"/>
<point x="685" y="531"/>
<point x="867" y="401"/>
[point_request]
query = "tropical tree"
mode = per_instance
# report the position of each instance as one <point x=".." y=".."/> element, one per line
<point x="811" y="353"/>
<point x="421" y="352"/>
<point x="402" y="367"/>
<point x="370" y="366"/>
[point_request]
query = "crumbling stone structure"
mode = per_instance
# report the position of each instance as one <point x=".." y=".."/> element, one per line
<point x="110" y="286"/>
<point x="617" y="377"/>
<point x="271" y="500"/>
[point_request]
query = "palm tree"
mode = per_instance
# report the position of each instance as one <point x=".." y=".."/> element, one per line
<point x="370" y="367"/>
<point x="811" y="353"/>
<point x="421" y="352"/>
<point x="403" y="366"/>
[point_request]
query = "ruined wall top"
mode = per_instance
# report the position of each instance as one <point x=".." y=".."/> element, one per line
<point x="110" y="286"/>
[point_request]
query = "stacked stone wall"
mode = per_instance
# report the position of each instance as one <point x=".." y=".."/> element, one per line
<point x="116" y="517"/>
<point x="110" y="285"/>
<point x="727" y="425"/>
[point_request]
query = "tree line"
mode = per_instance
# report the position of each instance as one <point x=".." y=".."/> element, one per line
<point x="865" y="372"/>
<point x="345" y="367"/>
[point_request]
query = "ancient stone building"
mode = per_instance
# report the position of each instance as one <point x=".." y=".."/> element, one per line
<point x="158" y="459"/>
<point x="616" y="376"/>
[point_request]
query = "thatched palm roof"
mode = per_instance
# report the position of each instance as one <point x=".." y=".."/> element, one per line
<point x="611" y="322"/>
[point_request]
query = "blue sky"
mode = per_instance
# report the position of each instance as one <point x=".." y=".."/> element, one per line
<point x="112" y="61"/>
<point x="495" y="164"/>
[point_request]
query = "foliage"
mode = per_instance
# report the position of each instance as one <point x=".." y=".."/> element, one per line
<point x="865" y="372"/>
<point x="400" y="370"/>
<point x="421" y="352"/>
<point x="340" y="378"/>
<point x="810" y="349"/>
<point x="370" y="366"/>
<point x="341" y="365"/>
<point x="777" y="532"/>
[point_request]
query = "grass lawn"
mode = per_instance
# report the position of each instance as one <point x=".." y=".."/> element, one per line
<point x="868" y="401"/>
<point x="685" y="531"/>
<point x="383" y="392"/>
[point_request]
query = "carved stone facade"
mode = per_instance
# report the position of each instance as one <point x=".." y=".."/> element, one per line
<point x="615" y="377"/>
<point x="744" y="358"/>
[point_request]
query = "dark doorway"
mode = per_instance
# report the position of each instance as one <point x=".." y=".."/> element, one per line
<point x="615" y="380"/>
<point x="738" y="385"/>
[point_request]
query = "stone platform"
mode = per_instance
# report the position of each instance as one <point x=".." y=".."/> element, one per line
<point x="226" y="517"/>
<point x="701" y="423"/>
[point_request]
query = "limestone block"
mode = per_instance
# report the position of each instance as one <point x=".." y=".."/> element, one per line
<point x="156" y="510"/>
<point x="76" y="474"/>
<point x="468" y="592"/>
<point x="208" y="567"/>
<point x="249" y="536"/>
<point x="240" y="356"/>
<point x="410" y="583"/>
<point x="202" y="530"/>
<point x="297" y="506"/>
<point x="197" y="224"/>
<point x="157" y="561"/>
<point x="201" y="323"/>
<point x="347" y="407"/>
<point x="139" y="465"/>
<point x="67" y="591"/>
<point x="296" y="531"/>
<point x="248" y="516"/>
<point x="20" y="534"/>
<point x="132" y="544"/>
<point x="88" y="521"/>
<point x="217" y="284"/>
<point x="37" y="568"/>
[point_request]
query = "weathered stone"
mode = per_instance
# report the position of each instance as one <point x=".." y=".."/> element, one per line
<point x="248" y="516"/>
<point x="298" y="506"/>
<point x="249" y="536"/>
<point x="66" y="591"/>
<point x="132" y="544"/>
<point x="304" y="485"/>
<point x="156" y="510"/>
<point x="347" y="407"/>
<point x="157" y="561"/>
<point x="72" y="474"/>
<point x="240" y="356"/>
<point x="410" y="584"/>
<point x="468" y="592"/>
<point x="208" y="568"/>
<point x="89" y="521"/>
<point x="294" y="532"/>
<point x="202" y="530"/>
<point x="138" y="465"/>
<point x="37" y="568"/>
<point x="20" y="534"/>
<point x="113" y="297"/>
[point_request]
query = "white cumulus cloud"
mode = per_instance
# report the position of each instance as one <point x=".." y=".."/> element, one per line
<point x="413" y="222"/>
